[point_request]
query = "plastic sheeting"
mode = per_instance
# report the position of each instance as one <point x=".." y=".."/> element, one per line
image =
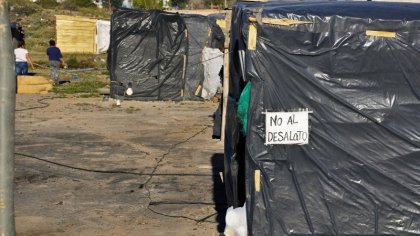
<point x="198" y="36"/>
<point x="148" y="52"/>
<point x="103" y="27"/>
<point x="159" y="54"/>
<point x="217" y="23"/>
<point x="212" y="62"/>
<point x="355" y="66"/>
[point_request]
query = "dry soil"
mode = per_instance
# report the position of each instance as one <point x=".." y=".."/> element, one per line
<point x="86" y="167"/>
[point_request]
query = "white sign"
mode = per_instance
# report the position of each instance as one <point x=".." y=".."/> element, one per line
<point x="286" y="127"/>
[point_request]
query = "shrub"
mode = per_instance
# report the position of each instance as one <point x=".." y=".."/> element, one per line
<point x="72" y="62"/>
<point x="84" y="3"/>
<point x="69" y="5"/>
<point x="87" y="63"/>
<point x="147" y="4"/>
<point x="73" y="5"/>
<point x="23" y="8"/>
<point x="87" y="88"/>
<point x="47" y="3"/>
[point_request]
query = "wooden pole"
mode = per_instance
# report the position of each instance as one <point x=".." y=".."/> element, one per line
<point x="228" y="19"/>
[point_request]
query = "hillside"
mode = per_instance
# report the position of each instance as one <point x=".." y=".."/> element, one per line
<point x="38" y="21"/>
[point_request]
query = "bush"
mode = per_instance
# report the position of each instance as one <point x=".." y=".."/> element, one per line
<point x="197" y="4"/>
<point x="73" y="5"/>
<point x="147" y="4"/>
<point x="88" y="87"/>
<point x="81" y="61"/>
<point x="84" y="3"/>
<point x="69" y="5"/>
<point x="87" y="63"/>
<point x="23" y="8"/>
<point x="47" y="3"/>
<point x="72" y="62"/>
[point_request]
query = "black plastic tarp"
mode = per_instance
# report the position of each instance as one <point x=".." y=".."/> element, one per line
<point x="360" y="172"/>
<point x="148" y="51"/>
<point x="198" y="36"/>
<point x="217" y="37"/>
<point x="159" y="54"/>
<point x="203" y="31"/>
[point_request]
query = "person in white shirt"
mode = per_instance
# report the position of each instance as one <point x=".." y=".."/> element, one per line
<point x="22" y="58"/>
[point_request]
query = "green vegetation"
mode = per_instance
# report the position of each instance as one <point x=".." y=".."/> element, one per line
<point x="38" y="21"/>
<point x="80" y="61"/>
<point x="83" y="88"/>
<point x="148" y="4"/>
<point x="131" y="110"/>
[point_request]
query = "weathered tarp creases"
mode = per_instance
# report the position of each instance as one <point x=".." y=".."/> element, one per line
<point x="159" y="54"/>
<point x="148" y="52"/>
<point x="355" y="68"/>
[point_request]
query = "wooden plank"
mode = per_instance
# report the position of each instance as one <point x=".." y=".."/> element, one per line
<point x="33" y="84"/>
<point x="184" y="65"/>
<point x="198" y="90"/>
<point x="386" y="34"/>
<point x="76" y="34"/>
<point x="281" y="21"/>
<point x="257" y="179"/>
<point x="226" y="76"/>
<point x="252" y="36"/>
<point x="32" y="80"/>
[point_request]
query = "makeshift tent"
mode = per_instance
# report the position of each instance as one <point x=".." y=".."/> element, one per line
<point x="76" y="34"/>
<point x="148" y="52"/>
<point x="212" y="63"/>
<point x="217" y="24"/>
<point x="212" y="56"/>
<point x="158" y="54"/>
<point x="198" y="37"/>
<point x="349" y="72"/>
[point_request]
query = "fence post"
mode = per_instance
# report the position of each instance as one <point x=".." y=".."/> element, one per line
<point x="226" y="76"/>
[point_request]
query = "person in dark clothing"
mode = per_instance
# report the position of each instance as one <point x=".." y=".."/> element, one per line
<point x="55" y="60"/>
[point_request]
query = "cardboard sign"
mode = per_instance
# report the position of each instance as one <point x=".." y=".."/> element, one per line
<point x="286" y="127"/>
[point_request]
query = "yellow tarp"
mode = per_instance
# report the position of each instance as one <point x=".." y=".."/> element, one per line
<point x="76" y="34"/>
<point x="33" y="84"/>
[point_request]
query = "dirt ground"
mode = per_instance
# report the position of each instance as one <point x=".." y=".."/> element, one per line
<point x="86" y="167"/>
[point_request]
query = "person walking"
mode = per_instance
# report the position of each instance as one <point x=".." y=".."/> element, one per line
<point x="22" y="58"/>
<point x="55" y="60"/>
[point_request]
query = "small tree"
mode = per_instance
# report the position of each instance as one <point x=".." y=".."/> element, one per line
<point x="148" y="4"/>
<point x="179" y="3"/>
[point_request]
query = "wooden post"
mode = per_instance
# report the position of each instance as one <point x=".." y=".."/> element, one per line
<point x="228" y="18"/>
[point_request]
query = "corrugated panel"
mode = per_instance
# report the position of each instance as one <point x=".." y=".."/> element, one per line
<point x="76" y="34"/>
